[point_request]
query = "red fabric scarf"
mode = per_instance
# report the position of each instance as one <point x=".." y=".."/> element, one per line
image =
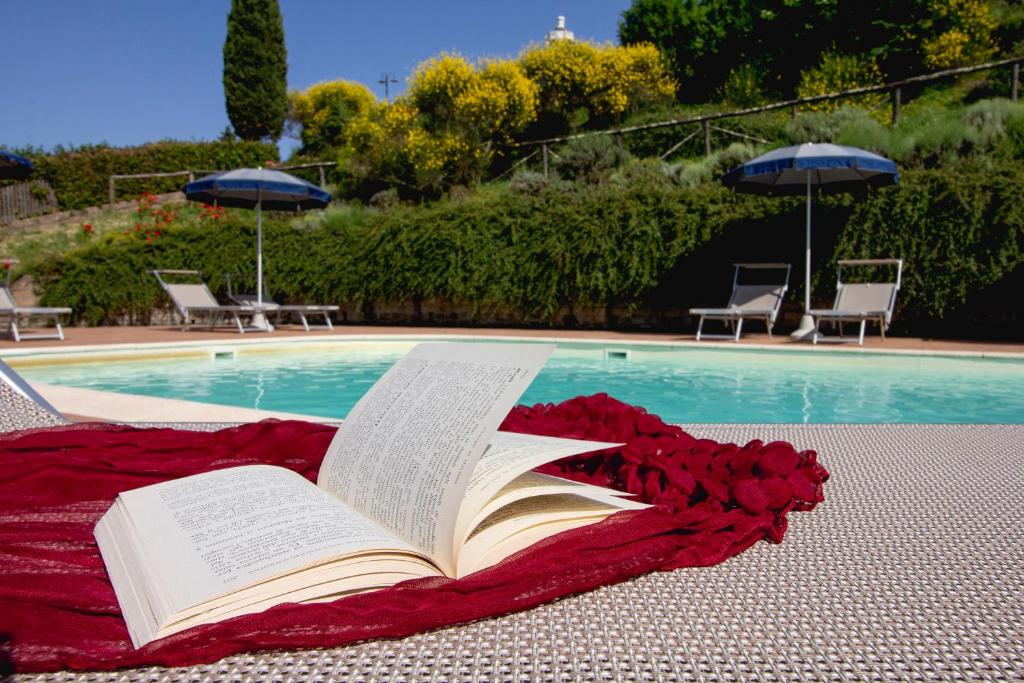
<point x="58" y="609"/>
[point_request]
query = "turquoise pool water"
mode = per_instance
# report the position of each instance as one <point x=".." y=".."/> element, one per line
<point x="683" y="385"/>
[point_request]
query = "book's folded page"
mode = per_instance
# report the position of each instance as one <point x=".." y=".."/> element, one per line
<point x="417" y="482"/>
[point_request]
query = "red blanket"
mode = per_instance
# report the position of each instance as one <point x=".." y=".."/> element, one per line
<point x="58" y="610"/>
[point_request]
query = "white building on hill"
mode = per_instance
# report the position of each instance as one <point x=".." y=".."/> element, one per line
<point x="560" y="32"/>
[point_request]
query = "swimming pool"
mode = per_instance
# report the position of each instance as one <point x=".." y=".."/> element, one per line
<point x="682" y="384"/>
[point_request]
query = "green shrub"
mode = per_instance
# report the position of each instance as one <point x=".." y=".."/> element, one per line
<point x="385" y="199"/>
<point x="79" y="175"/>
<point x="525" y="181"/>
<point x="994" y="125"/>
<point x="644" y="173"/>
<point x="693" y="173"/>
<point x="838" y="126"/>
<point x="591" y="159"/>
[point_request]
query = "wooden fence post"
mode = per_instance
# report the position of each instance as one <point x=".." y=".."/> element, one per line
<point x="1015" y="86"/>
<point x="191" y="176"/>
<point x="110" y="189"/>
<point x="707" y="138"/>
<point x="323" y="176"/>
<point x="544" y="148"/>
<point x="793" y="113"/>
<point x="896" y="96"/>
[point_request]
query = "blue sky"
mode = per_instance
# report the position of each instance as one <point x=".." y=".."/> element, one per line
<point x="126" y="72"/>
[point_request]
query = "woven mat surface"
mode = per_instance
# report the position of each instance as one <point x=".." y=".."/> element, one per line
<point x="910" y="570"/>
<point x="18" y="412"/>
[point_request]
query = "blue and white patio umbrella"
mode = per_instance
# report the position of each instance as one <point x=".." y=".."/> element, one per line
<point x="796" y="170"/>
<point x="257" y="188"/>
<point x="13" y="166"/>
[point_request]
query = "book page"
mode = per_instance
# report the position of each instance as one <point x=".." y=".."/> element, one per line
<point x="212" y="533"/>
<point x="404" y="455"/>
<point x="508" y="456"/>
<point x="522" y="523"/>
<point x="532" y="485"/>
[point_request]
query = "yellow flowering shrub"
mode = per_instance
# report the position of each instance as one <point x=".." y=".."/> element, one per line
<point x="500" y="100"/>
<point x="630" y="77"/>
<point x="376" y="145"/>
<point x="967" y="35"/>
<point x="437" y="82"/>
<point x="443" y="132"/>
<point x="604" y="81"/>
<point x="837" y="72"/>
<point x="322" y="112"/>
<point x="564" y="72"/>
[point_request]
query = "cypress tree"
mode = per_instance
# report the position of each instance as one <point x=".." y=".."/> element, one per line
<point x="255" y="69"/>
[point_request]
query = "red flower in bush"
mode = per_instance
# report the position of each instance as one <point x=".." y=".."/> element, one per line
<point x="87" y="228"/>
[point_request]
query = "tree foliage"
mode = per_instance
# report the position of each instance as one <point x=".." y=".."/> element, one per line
<point x="320" y="115"/>
<point x="255" y="69"/>
<point x="705" y="41"/>
<point x="962" y="34"/>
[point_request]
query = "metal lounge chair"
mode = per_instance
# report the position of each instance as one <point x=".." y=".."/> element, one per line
<point x="756" y="301"/>
<point x="274" y="310"/>
<point x="859" y="302"/>
<point x="16" y="316"/>
<point x="195" y="302"/>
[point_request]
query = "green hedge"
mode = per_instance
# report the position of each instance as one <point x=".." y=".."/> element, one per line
<point x="79" y="175"/>
<point x="653" y="248"/>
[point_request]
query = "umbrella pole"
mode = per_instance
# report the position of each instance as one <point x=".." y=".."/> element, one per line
<point x="806" y="329"/>
<point x="259" y="250"/>
<point x="259" y="320"/>
<point x="807" y="259"/>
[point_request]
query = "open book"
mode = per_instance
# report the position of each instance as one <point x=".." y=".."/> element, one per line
<point x="417" y="482"/>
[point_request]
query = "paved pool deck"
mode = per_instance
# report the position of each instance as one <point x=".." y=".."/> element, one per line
<point x="91" y="336"/>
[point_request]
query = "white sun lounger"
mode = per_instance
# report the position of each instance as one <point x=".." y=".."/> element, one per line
<point x="759" y="302"/>
<point x="859" y="302"/>
<point x="274" y="310"/>
<point x="195" y="302"/>
<point x="15" y="317"/>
